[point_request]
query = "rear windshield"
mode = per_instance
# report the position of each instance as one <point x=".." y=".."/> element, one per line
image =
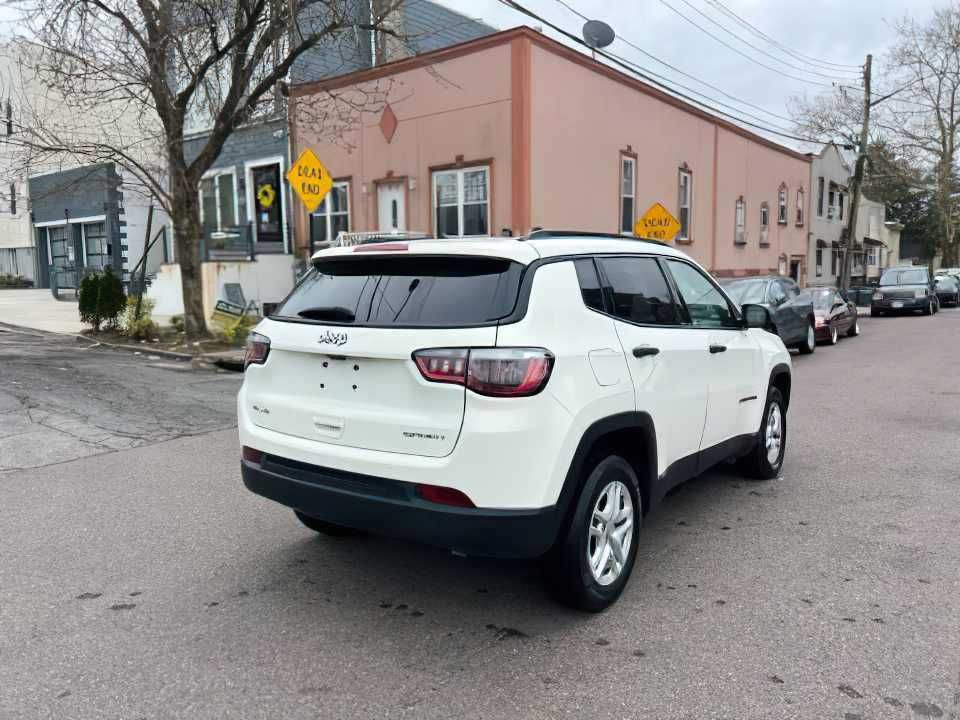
<point x="746" y="292"/>
<point x="904" y="277"/>
<point x="412" y="291"/>
<point x="823" y="299"/>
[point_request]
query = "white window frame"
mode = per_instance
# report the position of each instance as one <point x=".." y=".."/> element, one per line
<point x="328" y="214"/>
<point x="632" y="161"/>
<point x="216" y="173"/>
<point x="248" y="168"/>
<point x="764" y="215"/>
<point x="687" y="175"/>
<point x="801" y="198"/>
<point x="459" y="172"/>
<point x="783" y="210"/>
<point x="871" y="256"/>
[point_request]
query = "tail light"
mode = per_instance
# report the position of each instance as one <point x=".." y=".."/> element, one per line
<point x="444" y="496"/>
<point x="497" y="372"/>
<point x="252" y="455"/>
<point x="258" y="347"/>
<point x="819" y="321"/>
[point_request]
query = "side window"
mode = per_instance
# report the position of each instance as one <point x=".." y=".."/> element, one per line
<point x="791" y="289"/>
<point x="589" y="284"/>
<point x="706" y="305"/>
<point x="777" y="294"/>
<point x="639" y="291"/>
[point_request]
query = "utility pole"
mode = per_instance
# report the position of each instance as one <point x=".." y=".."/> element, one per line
<point x="857" y="181"/>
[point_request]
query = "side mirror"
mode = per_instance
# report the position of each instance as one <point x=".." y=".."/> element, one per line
<point x="757" y="316"/>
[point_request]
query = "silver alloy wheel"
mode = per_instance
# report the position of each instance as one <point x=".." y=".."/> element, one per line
<point x="610" y="533"/>
<point x="773" y="437"/>
<point x="834" y="334"/>
<point x="811" y="337"/>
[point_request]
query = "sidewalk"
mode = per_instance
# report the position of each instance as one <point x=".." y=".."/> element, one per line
<point x="39" y="310"/>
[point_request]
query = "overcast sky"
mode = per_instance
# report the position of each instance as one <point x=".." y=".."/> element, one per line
<point x="836" y="31"/>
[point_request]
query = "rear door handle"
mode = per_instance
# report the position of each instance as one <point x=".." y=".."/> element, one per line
<point x="714" y="349"/>
<point x="645" y="351"/>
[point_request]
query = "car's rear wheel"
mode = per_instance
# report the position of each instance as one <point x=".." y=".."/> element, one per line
<point x="326" y="528"/>
<point x="593" y="559"/>
<point x="765" y="461"/>
<point x="810" y="344"/>
<point x="855" y="328"/>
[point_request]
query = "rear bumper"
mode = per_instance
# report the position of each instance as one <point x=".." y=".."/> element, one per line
<point x="391" y="508"/>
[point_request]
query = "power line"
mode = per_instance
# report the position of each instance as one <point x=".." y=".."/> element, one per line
<point x="743" y="54"/>
<point x="632" y="69"/>
<point x="773" y="57"/>
<point x="686" y="74"/>
<point x="759" y="33"/>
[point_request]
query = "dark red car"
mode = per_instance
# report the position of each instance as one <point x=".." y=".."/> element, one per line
<point x="833" y="316"/>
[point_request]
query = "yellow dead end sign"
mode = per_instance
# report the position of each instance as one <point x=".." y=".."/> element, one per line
<point x="657" y="223"/>
<point x="309" y="179"/>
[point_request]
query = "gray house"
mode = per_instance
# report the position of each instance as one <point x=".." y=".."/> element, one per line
<point x="87" y="217"/>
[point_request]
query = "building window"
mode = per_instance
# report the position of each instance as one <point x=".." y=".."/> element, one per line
<point x="628" y="193"/>
<point x="740" y="219"/>
<point x="218" y="200"/>
<point x="819" y="262"/>
<point x="840" y="207"/>
<point x="8" y="115"/>
<point x="13" y="198"/>
<point x="764" y="215"/>
<point x="834" y="262"/>
<point x="685" y="203"/>
<point x="800" y="206"/>
<point x="332" y="216"/>
<point x="95" y="245"/>
<point x="820" y="197"/>
<point x="461" y="202"/>
<point x="782" y="206"/>
<point x="872" y="256"/>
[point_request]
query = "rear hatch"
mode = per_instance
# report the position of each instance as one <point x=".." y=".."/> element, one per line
<point x="340" y="370"/>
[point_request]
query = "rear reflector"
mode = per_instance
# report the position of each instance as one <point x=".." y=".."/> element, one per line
<point x="497" y="372"/>
<point x="444" y="496"/>
<point x="378" y="247"/>
<point x="252" y="455"/>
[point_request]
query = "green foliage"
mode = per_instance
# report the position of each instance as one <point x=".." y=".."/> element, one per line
<point x="177" y="322"/>
<point x="101" y="299"/>
<point x="14" y="281"/>
<point x="235" y="330"/>
<point x="141" y="327"/>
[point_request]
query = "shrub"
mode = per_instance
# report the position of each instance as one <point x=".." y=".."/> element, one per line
<point x="141" y="327"/>
<point x="101" y="299"/>
<point x="235" y="330"/>
<point x="177" y="322"/>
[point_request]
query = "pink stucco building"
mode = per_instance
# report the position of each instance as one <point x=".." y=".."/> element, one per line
<point x="514" y="131"/>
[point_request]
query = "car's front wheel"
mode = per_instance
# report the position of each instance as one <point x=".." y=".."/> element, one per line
<point x="765" y="461"/>
<point x="593" y="559"/>
<point x="854" y="329"/>
<point x="810" y="343"/>
<point x="930" y="309"/>
<point x="834" y="336"/>
<point x="325" y="528"/>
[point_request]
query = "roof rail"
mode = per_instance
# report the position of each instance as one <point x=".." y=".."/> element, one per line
<point x="545" y="234"/>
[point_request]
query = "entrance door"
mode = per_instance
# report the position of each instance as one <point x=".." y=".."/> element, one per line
<point x="267" y="203"/>
<point x="392" y="206"/>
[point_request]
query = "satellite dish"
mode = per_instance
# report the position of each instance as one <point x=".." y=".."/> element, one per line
<point x="597" y="34"/>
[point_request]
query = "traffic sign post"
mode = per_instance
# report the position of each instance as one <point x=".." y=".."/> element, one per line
<point x="309" y="179"/>
<point x="657" y="223"/>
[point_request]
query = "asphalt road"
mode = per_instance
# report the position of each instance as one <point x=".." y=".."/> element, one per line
<point x="147" y="583"/>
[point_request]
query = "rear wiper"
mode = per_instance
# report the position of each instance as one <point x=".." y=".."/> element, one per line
<point x="334" y="314"/>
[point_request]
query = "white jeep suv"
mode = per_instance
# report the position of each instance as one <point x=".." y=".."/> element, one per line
<point x="510" y="397"/>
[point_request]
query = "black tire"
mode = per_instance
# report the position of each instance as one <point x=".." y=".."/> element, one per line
<point x="566" y="570"/>
<point x="833" y="337"/>
<point x="876" y="313"/>
<point x="756" y="464"/>
<point x="855" y="328"/>
<point x="810" y="343"/>
<point x="929" y="309"/>
<point x="324" y="527"/>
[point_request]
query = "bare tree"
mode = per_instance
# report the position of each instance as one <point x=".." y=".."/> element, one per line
<point x="924" y="120"/>
<point x="129" y="78"/>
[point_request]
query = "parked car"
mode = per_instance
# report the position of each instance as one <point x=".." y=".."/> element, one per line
<point x="510" y="397"/>
<point x="947" y="290"/>
<point x="902" y="288"/>
<point x="833" y="315"/>
<point x="792" y="309"/>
